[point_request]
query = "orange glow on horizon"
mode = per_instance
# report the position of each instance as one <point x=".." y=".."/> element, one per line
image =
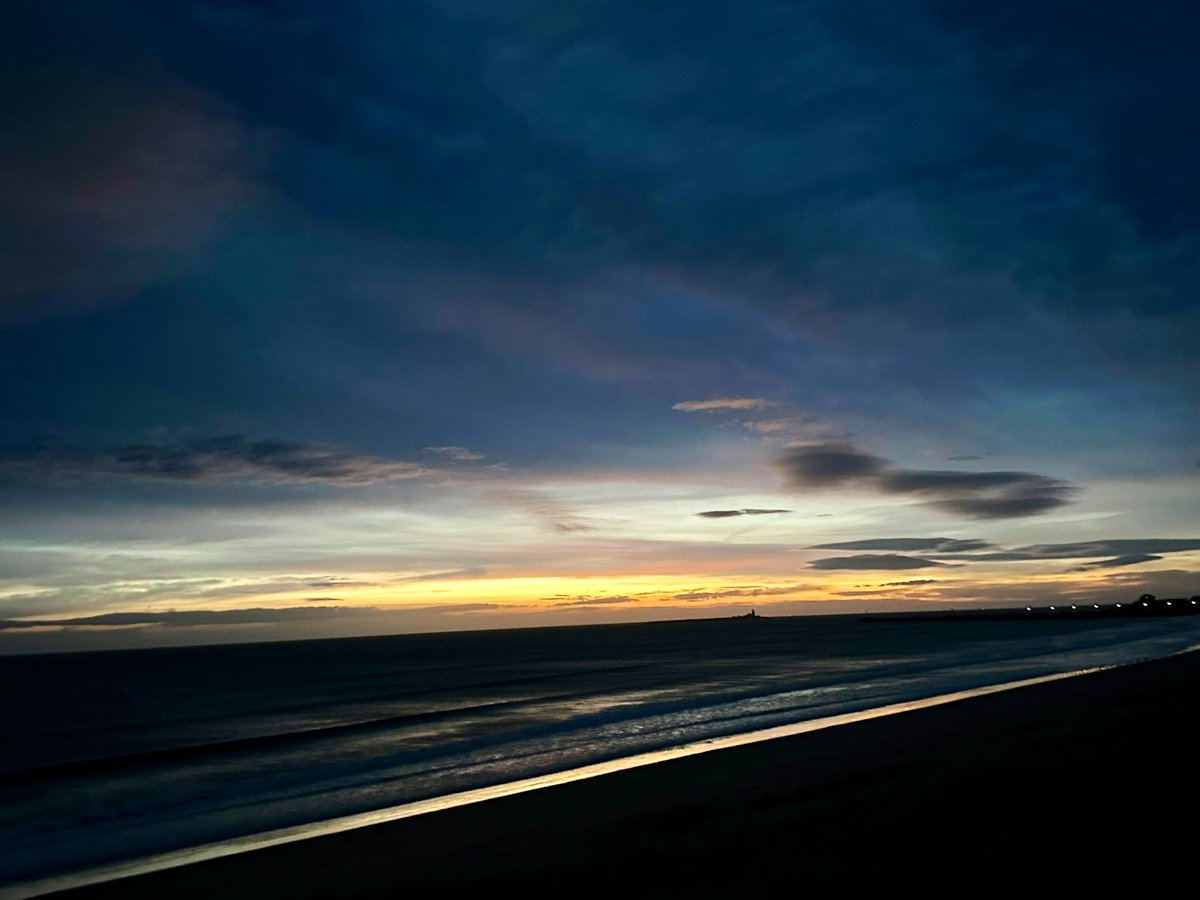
<point x="544" y="593"/>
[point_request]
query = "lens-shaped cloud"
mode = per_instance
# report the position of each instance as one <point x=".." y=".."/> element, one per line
<point x="973" y="495"/>
<point x="731" y="513"/>
<point x="867" y="561"/>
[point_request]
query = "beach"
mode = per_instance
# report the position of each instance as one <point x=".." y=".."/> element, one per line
<point x="1068" y="783"/>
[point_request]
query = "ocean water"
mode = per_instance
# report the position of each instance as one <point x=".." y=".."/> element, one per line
<point x="111" y="756"/>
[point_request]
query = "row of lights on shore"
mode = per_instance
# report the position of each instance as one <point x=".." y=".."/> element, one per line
<point x="1097" y="605"/>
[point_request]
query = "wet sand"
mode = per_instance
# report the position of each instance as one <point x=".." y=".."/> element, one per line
<point x="1066" y="785"/>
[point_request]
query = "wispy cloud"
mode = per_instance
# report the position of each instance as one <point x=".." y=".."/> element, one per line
<point x="714" y="404"/>
<point x="722" y="593"/>
<point x="797" y="426"/>
<point x="595" y="601"/>
<point x="1120" y="548"/>
<point x="868" y="561"/>
<point x="338" y="581"/>
<point x="552" y="513"/>
<point x="975" y="495"/>
<point x="939" y="544"/>
<point x="1106" y="554"/>
<point x="472" y="572"/>
<point x="730" y="513"/>
<point x="777" y="426"/>
<point x="213" y="459"/>
<point x="458" y="454"/>
<point x="1117" y="562"/>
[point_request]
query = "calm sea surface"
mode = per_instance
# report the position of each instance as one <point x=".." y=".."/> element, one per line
<point x="115" y="755"/>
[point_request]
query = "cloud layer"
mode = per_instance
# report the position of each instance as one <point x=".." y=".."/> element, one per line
<point x="868" y="561"/>
<point x="974" y="495"/>
<point x="1103" y="554"/>
<point x="714" y="404"/>
<point x="1120" y="547"/>
<point x="731" y="513"/>
<point x="939" y="544"/>
<point x="214" y="459"/>
<point x="1118" y="562"/>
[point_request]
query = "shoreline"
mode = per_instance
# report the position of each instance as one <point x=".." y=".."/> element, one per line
<point x="254" y="842"/>
<point x="245" y="852"/>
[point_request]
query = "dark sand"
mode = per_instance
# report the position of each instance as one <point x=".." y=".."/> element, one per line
<point x="1069" y="785"/>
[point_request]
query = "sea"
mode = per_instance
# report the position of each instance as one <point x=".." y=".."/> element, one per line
<point x="112" y="756"/>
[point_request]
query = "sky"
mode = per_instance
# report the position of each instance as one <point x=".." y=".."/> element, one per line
<point x="321" y="319"/>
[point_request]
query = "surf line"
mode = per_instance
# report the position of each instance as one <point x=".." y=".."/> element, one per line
<point x="248" y="843"/>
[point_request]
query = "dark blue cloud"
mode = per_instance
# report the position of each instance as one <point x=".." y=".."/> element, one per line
<point x="870" y="562"/>
<point x="1116" y="562"/>
<point x="730" y="513"/>
<point x="1122" y="548"/>
<point x="212" y="459"/>
<point x="528" y="227"/>
<point x="830" y="465"/>
<point x="975" y="495"/>
<point x="940" y="544"/>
